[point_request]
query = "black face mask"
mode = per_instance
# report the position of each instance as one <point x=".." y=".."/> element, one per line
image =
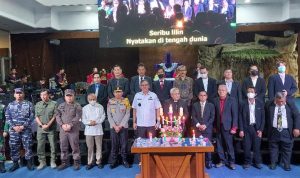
<point x="254" y="72"/>
<point x="160" y="76"/>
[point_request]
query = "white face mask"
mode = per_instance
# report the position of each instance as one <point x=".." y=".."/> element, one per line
<point x="204" y="76"/>
<point x="93" y="103"/>
<point x="251" y="95"/>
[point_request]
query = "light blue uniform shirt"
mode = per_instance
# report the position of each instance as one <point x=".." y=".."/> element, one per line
<point x="146" y="105"/>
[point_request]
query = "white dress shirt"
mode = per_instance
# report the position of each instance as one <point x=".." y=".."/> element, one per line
<point x="202" y="105"/>
<point x="252" y="113"/>
<point x="96" y="113"/>
<point x="254" y="80"/>
<point x="205" y="83"/>
<point x="282" y="76"/>
<point x="284" y="118"/>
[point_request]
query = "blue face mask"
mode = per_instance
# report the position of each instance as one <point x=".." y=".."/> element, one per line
<point x="281" y="69"/>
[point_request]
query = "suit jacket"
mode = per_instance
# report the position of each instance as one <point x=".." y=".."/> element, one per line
<point x="235" y="91"/>
<point x="275" y="85"/>
<point x="244" y="119"/>
<point x="229" y="115"/>
<point x="292" y="114"/>
<point x="208" y="115"/>
<point x="188" y="13"/>
<point x="176" y="106"/>
<point x="260" y="88"/>
<point x="162" y="94"/>
<point x="211" y="88"/>
<point x="135" y="85"/>
<point x="102" y="93"/>
<point x="113" y="83"/>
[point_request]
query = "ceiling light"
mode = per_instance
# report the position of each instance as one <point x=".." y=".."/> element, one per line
<point x="88" y="8"/>
<point x="247" y="1"/>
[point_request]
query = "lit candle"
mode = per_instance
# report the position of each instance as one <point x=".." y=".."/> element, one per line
<point x="163" y="120"/>
<point x="150" y="136"/>
<point x="171" y="109"/>
<point x="183" y="120"/>
<point x="194" y="136"/>
<point x="161" y="112"/>
<point x="179" y="121"/>
<point x="180" y="111"/>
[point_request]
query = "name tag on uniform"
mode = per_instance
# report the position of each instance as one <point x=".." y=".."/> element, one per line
<point x="150" y="98"/>
<point x="113" y="110"/>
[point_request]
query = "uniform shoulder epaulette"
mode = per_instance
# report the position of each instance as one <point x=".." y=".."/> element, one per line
<point x="112" y="101"/>
<point x="126" y="102"/>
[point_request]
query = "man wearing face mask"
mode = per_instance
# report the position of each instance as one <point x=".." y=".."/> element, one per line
<point x="205" y="83"/>
<point x="92" y="117"/>
<point x="162" y="87"/>
<point x="251" y="125"/>
<point x="282" y="82"/>
<point x="254" y="80"/>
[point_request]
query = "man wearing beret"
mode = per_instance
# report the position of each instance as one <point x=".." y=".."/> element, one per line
<point x="68" y="115"/>
<point x="19" y="116"/>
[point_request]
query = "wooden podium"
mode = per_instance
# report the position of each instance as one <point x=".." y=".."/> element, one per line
<point x="178" y="161"/>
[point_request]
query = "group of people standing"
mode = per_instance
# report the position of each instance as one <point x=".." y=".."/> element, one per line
<point x="223" y="108"/>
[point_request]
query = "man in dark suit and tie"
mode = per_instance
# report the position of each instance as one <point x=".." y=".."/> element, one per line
<point x="162" y="87"/>
<point x="203" y="115"/>
<point x="136" y="80"/>
<point x="226" y="123"/>
<point x="254" y="80"/>
<point x="251" y="125"/>
<point x="205" y="83"/>
<point x="98" y="89"/>
<point x="282" y="82"/>
<point x="283" y="121"/>
<point x="233" y="86"/>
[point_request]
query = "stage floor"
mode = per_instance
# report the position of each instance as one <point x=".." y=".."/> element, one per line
<point x="121" y="172"/>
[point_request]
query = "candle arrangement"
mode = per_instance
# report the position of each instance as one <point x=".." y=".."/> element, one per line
<point x="172" y="125"/>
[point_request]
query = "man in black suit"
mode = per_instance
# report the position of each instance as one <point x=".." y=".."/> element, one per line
<point x="205" y="83"/>
<point x="283" y="121"/>
<point x="282" y="82"/>
<point x="136" y="80"/>
<point x="203" y="115"/>
<point x="176" y="103"/>
<point x="254" y="80"/>
<point x="233" y="86"/>
<point x="118" y="81"/>
<point x="162" y="87"/>
<point x="226" y="122"/>
<point x="251" y="125"/>
<point x="98" y="89"/>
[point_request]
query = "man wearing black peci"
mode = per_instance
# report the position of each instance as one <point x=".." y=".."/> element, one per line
<point x="283" y="121"/>
<point x="203" y="115"/>
<point x="251" y="125"/>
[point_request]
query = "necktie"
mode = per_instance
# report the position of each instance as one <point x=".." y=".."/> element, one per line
<point x="201" y="109"/>
<point x="161" y="84"/>
<point x="279" y="119"/>
<point x="97" y="90"/>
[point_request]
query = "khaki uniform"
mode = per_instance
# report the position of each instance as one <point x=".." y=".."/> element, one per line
<point x="69" y="114"/>
<point x="45" y="112"/>
<point x="118" y="113"/>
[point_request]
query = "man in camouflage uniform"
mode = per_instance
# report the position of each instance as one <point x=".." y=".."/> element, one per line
<point x="67" y="117"/>
<point x="19" y="116"/>
<point x="2" y="141"/>
<point x="45" y="118"/>
<point x="118" y="113"/>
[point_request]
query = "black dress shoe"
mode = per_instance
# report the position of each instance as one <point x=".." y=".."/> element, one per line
<point x="258" y="166"/>
<point x="89" y="166"/>
<point x="113" y="165"/>
<point x="30" y="165"/>
<point x="208" y="165"/>
<point x="246" y="166"/>
<point x="62" y="166"/>
<point x="100" y="166"/>
<point x="287" y="167"/>
<point x="220" y="164"/>
<point x="272" y="166"/>
<point x="14" y="167"/>
<point x="2" y="167"/>
<point x="126" y="164"/>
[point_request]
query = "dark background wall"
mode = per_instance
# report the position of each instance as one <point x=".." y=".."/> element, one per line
<point x="78" y="53"/>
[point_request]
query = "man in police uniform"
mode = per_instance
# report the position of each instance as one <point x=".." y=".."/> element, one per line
<point x="146" y="111"/>
<point x="19" y="116"/>
<point x="67" y="117"/>
<point x="45" y="118"/>
<point x="118" y="113"/>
